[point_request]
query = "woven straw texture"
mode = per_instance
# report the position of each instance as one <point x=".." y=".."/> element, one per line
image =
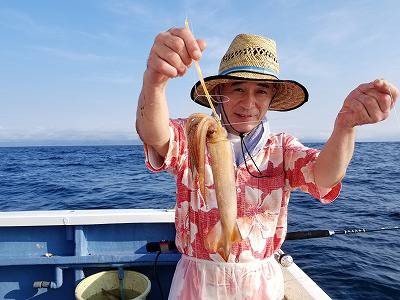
<point x="250" y="50"/>
<point x="260" y="55"/>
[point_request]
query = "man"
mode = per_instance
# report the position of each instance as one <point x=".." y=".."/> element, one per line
<point x="267" y="166"/>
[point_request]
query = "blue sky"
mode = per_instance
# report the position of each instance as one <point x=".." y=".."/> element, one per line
<point x="71" y="71"/>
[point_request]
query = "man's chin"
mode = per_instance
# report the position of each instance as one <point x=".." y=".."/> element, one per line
<point x="244" y="129"/>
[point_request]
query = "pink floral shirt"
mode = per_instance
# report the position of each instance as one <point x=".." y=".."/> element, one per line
<point x="262" y="203"/>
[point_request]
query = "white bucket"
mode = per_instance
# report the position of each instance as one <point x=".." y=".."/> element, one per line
<point x="106" y="285"/>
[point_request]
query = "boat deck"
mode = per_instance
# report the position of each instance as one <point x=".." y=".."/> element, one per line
<point x="60" y="248"/>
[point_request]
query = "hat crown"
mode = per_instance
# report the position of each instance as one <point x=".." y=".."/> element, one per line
<point x="249" y="52"/>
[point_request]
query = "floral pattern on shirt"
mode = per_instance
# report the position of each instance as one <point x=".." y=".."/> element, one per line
<point x="261" y="202"/>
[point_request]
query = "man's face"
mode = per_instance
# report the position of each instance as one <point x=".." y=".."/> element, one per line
<point x="245" y="104"/>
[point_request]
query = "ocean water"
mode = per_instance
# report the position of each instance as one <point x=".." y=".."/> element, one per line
<point x="362" y="266"/>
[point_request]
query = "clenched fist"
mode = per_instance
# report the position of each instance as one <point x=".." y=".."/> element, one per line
<point x="369" y="103"/>
<point x="172" y="54"/>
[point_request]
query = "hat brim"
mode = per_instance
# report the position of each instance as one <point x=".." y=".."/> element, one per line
<point x="289" y="95"/>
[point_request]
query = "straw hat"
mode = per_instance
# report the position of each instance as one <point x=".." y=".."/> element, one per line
<point x="253" y="58"/>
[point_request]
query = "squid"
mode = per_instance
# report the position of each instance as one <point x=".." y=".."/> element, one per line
<point x="204" y="131"/>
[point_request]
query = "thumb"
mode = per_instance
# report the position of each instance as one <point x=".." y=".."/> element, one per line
<point x="202" y="44"/>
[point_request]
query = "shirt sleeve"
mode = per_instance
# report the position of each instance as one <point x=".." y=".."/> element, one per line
<point x="177" y="150"/>
<point x="299" y="162"/>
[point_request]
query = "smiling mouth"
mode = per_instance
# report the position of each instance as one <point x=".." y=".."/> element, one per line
<point x="245" y="116"/>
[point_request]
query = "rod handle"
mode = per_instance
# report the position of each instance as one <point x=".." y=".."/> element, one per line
<point x="310" y="234"/>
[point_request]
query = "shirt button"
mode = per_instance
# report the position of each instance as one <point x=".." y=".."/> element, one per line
<point x="238" y="190"/>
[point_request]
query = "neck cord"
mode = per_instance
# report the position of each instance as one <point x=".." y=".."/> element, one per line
<point x="243" y="146"/>
<point x="242" y="143"/>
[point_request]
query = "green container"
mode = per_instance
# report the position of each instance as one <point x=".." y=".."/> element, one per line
<point x="106" y="286"/>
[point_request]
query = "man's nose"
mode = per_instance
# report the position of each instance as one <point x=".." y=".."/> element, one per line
<point x="248" y="101"/>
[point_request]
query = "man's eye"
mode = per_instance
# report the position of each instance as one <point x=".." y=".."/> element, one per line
<point x="238" y="90"/>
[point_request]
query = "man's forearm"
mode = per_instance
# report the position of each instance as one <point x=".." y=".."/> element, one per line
<point x="369" y="103"/>
<point x="331" y="164"/>
<point x="170" y="56"/>
<point x="152" y="117"/>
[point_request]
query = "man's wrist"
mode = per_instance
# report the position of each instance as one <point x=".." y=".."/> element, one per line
<point x="343" y="129"/>
<point x="151" y="81"/>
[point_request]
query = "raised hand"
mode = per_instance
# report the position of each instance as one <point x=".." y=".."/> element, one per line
<point x="172" y="54"/>
<point x="367" y="104"/>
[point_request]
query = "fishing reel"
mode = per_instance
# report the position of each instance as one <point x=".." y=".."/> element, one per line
<point x="284" y="259"/>
<point x="161" y="246"/>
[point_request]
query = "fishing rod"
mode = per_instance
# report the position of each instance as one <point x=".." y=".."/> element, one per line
<point x="312" y="234"/>
<point x="283" y="258"/>
<point x="165" y="245"/>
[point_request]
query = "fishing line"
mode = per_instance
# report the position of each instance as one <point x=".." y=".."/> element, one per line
<point x="335" y="269"/>
<point x="216" y="98"/>
<point x="197" y="199"/>
<point x="394" y="108"/>
<point x="203" y="83"/>
<point x="221" y="99"/>
<point x="243" y="144"/>
<point x="311" y="234"/>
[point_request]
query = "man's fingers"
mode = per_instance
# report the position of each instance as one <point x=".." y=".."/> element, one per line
<point x="173" y="52"/>
<point x="364" y="87"/>
<point x="385" y="93"/>
<point x="171" y="58"/>
<point x="386" y="87"/>
<point x="393" y="92"/>
<point x="159" y="65"/>
<point x="191" y="45"/>
<point x="367" y="109"/>
<point x="369" y="103"/>
<point x="383" y="100"/>
<point x="382" y="85"/>
<point x="394" y="100"/>
<point x="202" y="44"/>
<point x="374" y="110"/>
<point x="358" y="106"/>
<point x="177" y="45"/>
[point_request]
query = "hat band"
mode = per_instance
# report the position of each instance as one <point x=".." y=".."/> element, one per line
<point x="249" y="69"/>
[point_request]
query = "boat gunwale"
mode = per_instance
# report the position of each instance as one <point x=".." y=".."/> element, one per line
<point x="86" y="217"/>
